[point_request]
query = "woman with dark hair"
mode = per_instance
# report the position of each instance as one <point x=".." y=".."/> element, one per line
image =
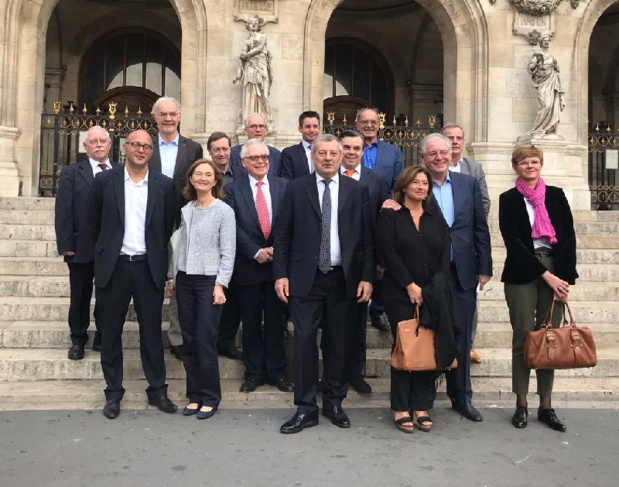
<point x="538" y="230"/>
<point x="203" y="264"/>
<point x="413" y="244"/>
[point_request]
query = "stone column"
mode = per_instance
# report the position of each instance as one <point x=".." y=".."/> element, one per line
<point x="9" y="175"/>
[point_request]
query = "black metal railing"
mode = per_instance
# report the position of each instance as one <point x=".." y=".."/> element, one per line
<point x="603" y="167"/>
<point x="62" y="135"/>
<point x="399" y="133"/>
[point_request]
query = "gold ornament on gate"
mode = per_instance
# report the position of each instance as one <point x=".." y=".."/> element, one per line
<point x="112" y="109"/>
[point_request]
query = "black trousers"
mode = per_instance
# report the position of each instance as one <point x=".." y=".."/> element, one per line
<point x="459" y="387"/>
<point x="80" y="282"/>
<point x="410" y="391"/>
<point x="263" y="347"/>
<point x="230" y="320"/>
<point x="131" y="280"/>
<point x="326" y="297"/>
<point x="376" y="303"/>
<point x="199" y="320"/>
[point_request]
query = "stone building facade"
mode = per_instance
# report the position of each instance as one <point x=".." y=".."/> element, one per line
<point x="465" y="60"/>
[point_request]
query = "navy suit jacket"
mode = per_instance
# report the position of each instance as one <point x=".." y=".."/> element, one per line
<point x="249" y="237"/>
<point x="71" y="211"/>
<point x="298" y="230"/>
<point x="189" y="151"/>
<point x="294" y="162"/>
<point x="378" y="190"/>
<point x="469" y="234"/>
<point x="275" y="159"/>
<point x="106" y="223"/>
<point x="388" y="162"/>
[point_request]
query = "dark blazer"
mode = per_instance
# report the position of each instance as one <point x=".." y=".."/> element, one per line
<point x="71" y="211"/>
<point x="106" y="223"/>
<point x="298" y="230"/>
<point x="189" y="151"/>
<point x="275" y="159"/>
<point x="388" y="162"/>
<point x="378" y="190"/>
<point x="521" y="265"/>
<point x="294" y="162"/>
<point x="249" y="237"/>
<point x="469" y="234"/>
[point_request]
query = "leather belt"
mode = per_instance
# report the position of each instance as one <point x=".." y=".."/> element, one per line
<point x="133" y="258"/>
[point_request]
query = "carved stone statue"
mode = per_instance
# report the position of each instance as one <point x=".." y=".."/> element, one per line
<point x="254" y="72"/>
<point x="544" y="71"/>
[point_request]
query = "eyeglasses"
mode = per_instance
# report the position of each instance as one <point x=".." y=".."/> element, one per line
<point x="264" y="157"/>
<point x="256" y="127"/>
<point x="435" y="154"/>
<point x="368" y="122"/>
<point x="98" y="141"/>
<point x="167" y="114"/>
<point x="137" y="145"/>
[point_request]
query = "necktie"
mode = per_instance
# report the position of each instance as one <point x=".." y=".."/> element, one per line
<point x="263" y="211"/>
<point x="324" y="255"/>
<point x="349" y="172"/>
<point x="103" y="166"/>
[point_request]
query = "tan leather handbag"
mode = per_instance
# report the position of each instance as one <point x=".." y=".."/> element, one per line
<point x="566" y="347"/>
<point x="414" y="347"/>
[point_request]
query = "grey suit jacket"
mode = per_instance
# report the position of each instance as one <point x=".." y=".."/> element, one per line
<point x="473" y="168"/>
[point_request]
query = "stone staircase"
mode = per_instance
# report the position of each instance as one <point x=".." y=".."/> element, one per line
<point x="35" y="372"/>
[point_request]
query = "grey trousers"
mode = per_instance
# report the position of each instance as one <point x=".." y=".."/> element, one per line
<point x="174" y="332"/>
<point x="528" y="305"/>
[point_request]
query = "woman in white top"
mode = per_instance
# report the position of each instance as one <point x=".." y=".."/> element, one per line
<point x="203" y="264"/>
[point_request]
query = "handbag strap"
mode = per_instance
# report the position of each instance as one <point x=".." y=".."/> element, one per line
<point x="569" y="312"/>
<point x="547" y="323"/>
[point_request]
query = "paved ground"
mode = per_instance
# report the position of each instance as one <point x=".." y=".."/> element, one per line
<point x="244" y="448"/>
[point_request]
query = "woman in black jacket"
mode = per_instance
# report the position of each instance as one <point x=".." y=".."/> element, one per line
<point x="538" y="230"/>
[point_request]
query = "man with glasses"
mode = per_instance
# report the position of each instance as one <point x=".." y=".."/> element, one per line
<point x="256" y="128"/>
<point x="172" y="155"/>
<point x="130" y="220"/>
<point x="386" y="160"/>
<point x="70" y="225"/>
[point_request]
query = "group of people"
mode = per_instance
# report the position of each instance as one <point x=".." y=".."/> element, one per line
<point x="315" y="233"/>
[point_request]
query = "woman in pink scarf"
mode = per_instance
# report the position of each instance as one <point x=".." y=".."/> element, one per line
<point x="538" y="230"/>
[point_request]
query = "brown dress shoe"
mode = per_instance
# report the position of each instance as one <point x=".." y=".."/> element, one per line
<point x="475" y="357"/>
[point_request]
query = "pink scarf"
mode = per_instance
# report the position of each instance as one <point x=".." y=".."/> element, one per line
<point x="542" y="226"/>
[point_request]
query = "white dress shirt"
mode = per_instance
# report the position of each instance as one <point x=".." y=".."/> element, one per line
<point x="457" y="167"/>
<point x="356" y="175"/>
<point x="136" y="196"/>
<point x="336" y="251"/>
<point x="95" y="166"/>
<point x="168" y="152"/>
<point x="308" y="153"/>
<point x="265" y="191"/>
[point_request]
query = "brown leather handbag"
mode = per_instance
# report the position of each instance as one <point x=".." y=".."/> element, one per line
<point x="566" y="347"/>
<point x="414" y="347"/>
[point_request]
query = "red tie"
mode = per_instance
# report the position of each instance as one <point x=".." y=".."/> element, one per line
<point x="263" y="211"/>
<point x="103" y="166"/>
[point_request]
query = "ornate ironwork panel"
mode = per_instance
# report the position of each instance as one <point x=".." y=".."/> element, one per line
<point x="62" y="136"/>
<point x="399" y="133"/>
<point x="603" y="168"/>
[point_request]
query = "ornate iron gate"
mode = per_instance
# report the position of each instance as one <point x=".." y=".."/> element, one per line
<point x="62" y="132"/>
<point x="603" y="167"/>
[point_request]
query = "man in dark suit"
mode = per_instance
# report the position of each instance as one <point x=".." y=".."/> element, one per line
<point x="378" y="190"/>
<point x="459" y="198"/>
<point x="297" y="159"/>
<point x="256" y="199"/>
<point x="323" y="263"/>
<point x="172" y="155"/>
<point x="256" y="128"/>
<point x="385" y="159"/>
<point x="131" y="217"/>
<point x="70" y="225"/>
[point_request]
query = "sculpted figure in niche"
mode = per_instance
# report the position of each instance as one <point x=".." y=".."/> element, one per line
<point x="544" y="71"/>
<point x="254" y="72"/>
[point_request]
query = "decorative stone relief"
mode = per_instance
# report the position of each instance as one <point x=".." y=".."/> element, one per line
<point x="538" y="7"/>
<point x="266" y="9"/>
<point x="533" y="26"/>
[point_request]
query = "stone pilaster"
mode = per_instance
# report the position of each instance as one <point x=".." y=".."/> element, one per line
<point x="9" y="175"/>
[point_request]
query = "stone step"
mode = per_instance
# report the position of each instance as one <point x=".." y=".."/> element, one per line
<point x="27" y="232"/>
<point x="27" y="217"/>
<point x="581" y="291"/>
<point x="88" y="394"/>
<point x="583" y="256"/>
<point x="587" y="272"/>
<point x="27" y="248"/>
<point x="582" y="241"/>
<point x="580" y="227"/>
<point x="24" y="203"/>
<point x="585" y="312"/>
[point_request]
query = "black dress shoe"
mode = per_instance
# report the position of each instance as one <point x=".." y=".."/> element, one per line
<point x="520" y="417"/>
<point x="111" y="408"/>
<point x="206" y="414"/>
<point x="76" y="352"/>
<point x="549" y="417"/>
<point x="231" y="352"/>
<point x="177" y="351"/>
<point x="96" y="347"/>
<point x="380" y="323"/>
<point x="283" y="385"/>
<point x="96" y="343"/>
<point x="470" y="413"/>
<point x="337" y="416"/>
<point x="190" y="411"/>
<point x="360" y="385"/>
<point x="298" y="422"/>
<point x="250" y="384"/>
<point x="163" y="403"/>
